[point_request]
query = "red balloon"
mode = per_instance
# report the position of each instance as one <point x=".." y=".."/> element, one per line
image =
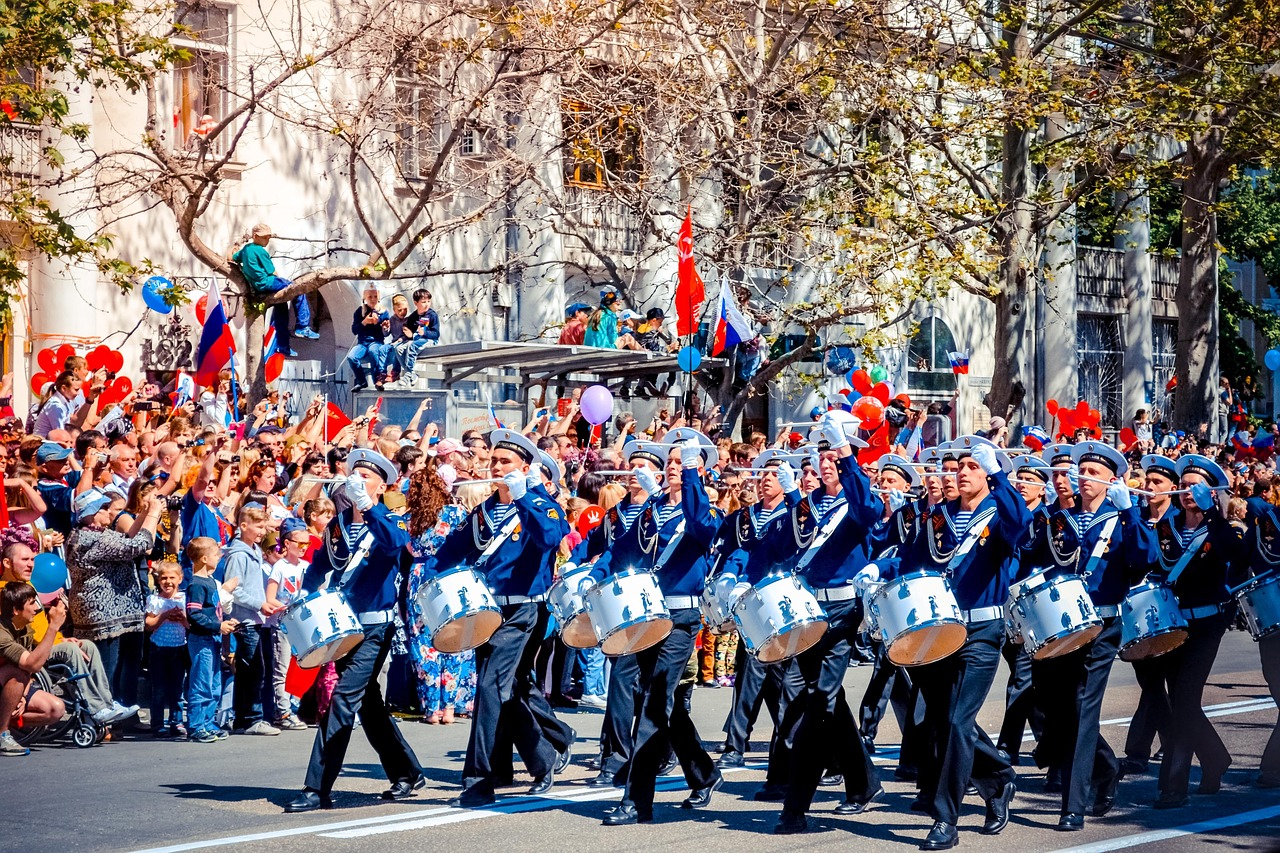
<point x="861" y="381"/>
<point x="881" y="392"/>
<point x="1082" y="407"/>
<point x="870" y="411"/>
<point x="589" y="520"/>
<point x="40" y="380"/>
<point x="1094" y="418"/>
<point x="202" y="307"/>
<point x="115" y="361"/>
<point x="877" y="445"/>
<point x="47" y="360"/>
<point x="1051" y="406"/>
<point x="1128" y="438"/>
<point x="63" y="353"/>
<point x="96" y="358"/>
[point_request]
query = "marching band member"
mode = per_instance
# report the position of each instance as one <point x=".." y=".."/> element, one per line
<point x="363" y="548"/>
<point x="1104" y="541"/>
<point x="672" y="535"/>
<point x="1065" y="478"/>
<point x="1264" y="547"/>
<point x="1200" y="557"/>
<point x="508" y="538"/>
<point x="975" y="541"/>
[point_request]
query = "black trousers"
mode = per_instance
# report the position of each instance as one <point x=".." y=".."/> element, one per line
<point x="663" y="723"/>
<point x="1022" y="705"/>
<point x="790" y="685"/>
<point x="253" y="656"/>
<point x="507" y="695"/>
<point x="1189" y="730"/>
<point x="954" y="689"/>
<point x="889" y="684"/>
<point x="819" y="721"/>
<point x="555" y="730"/>
<point x="622" y="706"/>
<point x="1269" y="650"/>
<point x="357" y="693"/>
<point x="1073" y="712"/>
<point x="755" y="684"/>
<point x="1152" y="715"/>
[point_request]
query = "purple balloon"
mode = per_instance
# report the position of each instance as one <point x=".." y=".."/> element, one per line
<point x="596" y="404"/>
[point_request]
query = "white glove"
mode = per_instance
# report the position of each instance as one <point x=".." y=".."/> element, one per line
<point x="1118" y="494"/>
<point x="897" y="500"/>
<point x="358" y="493"/>
<point x="787" y="478"/>
<point x="985" y="456"/>
<point x="690" y="453"/>
<point x="724" y="584"/>
<point x="1203" y="496"/>
<point x="866" y="576"/>
<point x="648" y="482"/>
<point x="1073" y="476"/>
<point x="517" y="485"/>
<point x="739" y="589"/>
<point x="532" y="480"/>
<point x="833" y="432"/>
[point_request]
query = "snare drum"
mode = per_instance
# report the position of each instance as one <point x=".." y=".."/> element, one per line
<point x="1054" y="617"/>
<point x="919" y="618"/>
<point x="628" y="613"/>
<point x="321" y="628"/>
<point x="715" y="613"/>
<point x="1260" y="603"/>
<point x="570" y="608"/>
<point x="1150" y="622"/>
<point x="779" y="618"/>
<point x="458" y="610"/>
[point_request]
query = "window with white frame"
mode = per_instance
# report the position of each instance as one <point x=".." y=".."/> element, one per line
<point x="201" y="74"/>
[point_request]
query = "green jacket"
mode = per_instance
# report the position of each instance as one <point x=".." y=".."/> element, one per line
<point x="255" y="264"/>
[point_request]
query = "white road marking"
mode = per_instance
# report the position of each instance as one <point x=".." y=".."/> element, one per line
<point x="1126" y="841"/>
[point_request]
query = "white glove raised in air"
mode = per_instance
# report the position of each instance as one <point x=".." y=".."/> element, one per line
<point x="690" y="453"/>
<point x="533" y="479"/>
<point x="833" y="432"/>
<point x="787" y="478"/>
<point x="1073" y="477"/>
<point x="866" y="576"/>
<point x="1119" y="496"/>
<point x="897" y="500"/>
<point x="985" y="456"/>
<point x="1203" y="496"/>
<point x="648" y="482"/>
<point x="740" y="589"/>
<point x="358" y="492"/>
<point x="517" y="484"/>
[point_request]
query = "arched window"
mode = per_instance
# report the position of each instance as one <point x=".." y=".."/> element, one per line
<point x="928" y="366"/>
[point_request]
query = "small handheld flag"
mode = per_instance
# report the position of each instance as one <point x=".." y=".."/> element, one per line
<point x="959" y="363"/>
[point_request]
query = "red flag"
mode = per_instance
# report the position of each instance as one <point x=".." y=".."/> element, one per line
<point x="689" y="289"/>
<point x="335" y="421"/>
<point x="4" y="510"/>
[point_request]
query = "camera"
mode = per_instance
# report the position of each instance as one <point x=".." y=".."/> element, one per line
<point x="235" y="459"/>
<point x="195" y="442"/>
<point x="174" y="502"/>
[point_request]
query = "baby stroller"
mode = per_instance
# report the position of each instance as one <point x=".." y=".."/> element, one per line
<point x="61" y="682"/>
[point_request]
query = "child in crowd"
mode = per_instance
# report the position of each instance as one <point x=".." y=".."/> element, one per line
<point x="205" y="630"/>
<point x="243" y="559"/>
<point x="167" y="621"/>
<point x="284" y="581"/>
<point x="317" y="514"/>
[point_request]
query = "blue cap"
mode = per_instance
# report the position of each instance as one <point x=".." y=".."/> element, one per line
<point x="292" y="524"/>
<point x="51" y="451"/>
<point x="90" y="502"/>
<point x="575" y="308"/>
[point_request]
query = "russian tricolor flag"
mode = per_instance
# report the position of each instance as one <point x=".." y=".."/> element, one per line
<point x="216" y="344"/>
<point x="732" y="328"/>
<point x="272" y="358"/>
<point x="1035" y="437"/>
<point x="959" y="362"/>
<point x="493" y="416"/>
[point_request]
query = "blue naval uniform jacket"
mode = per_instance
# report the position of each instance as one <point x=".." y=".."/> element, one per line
<point x="617" y="519"/>
<point x="1263" y="537"/>
<point x="742" y="530"/>
<point x="644" y="541"/>
<point x="896" y="531"/>
<point x="983" y="575"/>
<point x="1034" y="553"/>
<point x="376" y="581"/>
<point x="1126" y="560"/>
<point x="1220" y="563"/>
<point x="523" y="563"/>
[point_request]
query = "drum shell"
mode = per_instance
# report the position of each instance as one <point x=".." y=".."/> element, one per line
<point x="1260" y="604"/>
<point x="910" y="640"/>
<point x="718" y="618"/>
<point x="328" y="613"/>
<point x="1055" y="617"/>
<point x="628" y="612"/>
<point x="458" y="610"/>
<point x="779" y="618"/>
<point x="1151" y="624"/>
<point x="570" y="608"/>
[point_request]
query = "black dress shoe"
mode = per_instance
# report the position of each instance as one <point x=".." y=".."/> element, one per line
<point x="701" y="798"/>
<point x="308" y="801"/>
<point x="1053" y="781"/>
<point x="404" y="788"/>
<point x="668" y="766"/>
<point x="1211" y="779"/>
<point x="831" y="780"/>
<point x="624" y="814"/>
<point x="971" y="790"/>
<point x="770" y="794"/>
<point x="905" y="774"/>
<point x="731" y="758"/>
<point x="473" y="799"/>
<point x="1071" y="823"/>
<point x="542" y="784"/>
<point x="1104" y="799"/>
<point x="1159" y="756"/>
<point x="943" y="836"/>
<point x="790" y="824"/>
<point x="604" y="780"/>
<point x="1133" y="767"/>
<point x="858" y="806"/>
<point x="1006" y="757"/>
<point x="998" y="810"/>
<point x="1172" y="801"/>
<point x="869" y="745"/>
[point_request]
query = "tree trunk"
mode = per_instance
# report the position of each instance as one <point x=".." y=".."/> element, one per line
<point x="254" y="381"/>
<point x="1196" y="363"/>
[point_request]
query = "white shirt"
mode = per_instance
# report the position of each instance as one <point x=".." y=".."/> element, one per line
<point x="289" y="577"/>
<point x="55" y="414"/>
<point x="213" y="409"/>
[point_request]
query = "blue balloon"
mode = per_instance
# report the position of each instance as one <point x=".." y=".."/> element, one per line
<point x="49" y="573"/>
<point x="841" y="360"/>
<point x="151" y="294"/>
<point x="1272" y="359"/>
<point x="689" y="359"/>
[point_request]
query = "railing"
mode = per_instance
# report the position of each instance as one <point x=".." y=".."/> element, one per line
<point x="19" y="152"/>
<point x="1099" y="272"/>
<point x="602" y="220"/>
<point x="1164" y="277"/>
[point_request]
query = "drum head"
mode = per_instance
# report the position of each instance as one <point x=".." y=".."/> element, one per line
<point x="636" y="638"/>
<point x="1154" y="646"/>
<point x="577" y="633"/>
<point x="331" y="651"/>
<point x="928" y="643"/>
<point x="800" y="638"/>
<point x="1065" y="645"/>
<point x="466" y="632"/>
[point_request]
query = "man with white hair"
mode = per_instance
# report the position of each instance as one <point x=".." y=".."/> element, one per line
<point x="260" y="274"/>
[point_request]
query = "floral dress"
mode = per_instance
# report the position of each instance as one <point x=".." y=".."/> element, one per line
<point x="444" y="680"/>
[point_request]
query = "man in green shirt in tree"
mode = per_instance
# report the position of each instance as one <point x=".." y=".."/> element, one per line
<point x="259" y="271"/>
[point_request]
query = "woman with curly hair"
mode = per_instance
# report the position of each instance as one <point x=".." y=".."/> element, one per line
<point x="446" y="682"/>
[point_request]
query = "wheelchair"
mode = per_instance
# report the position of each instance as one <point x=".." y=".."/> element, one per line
<point x="59" y="680"/>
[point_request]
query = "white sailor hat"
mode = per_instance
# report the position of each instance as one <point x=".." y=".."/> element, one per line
<point x="964" y="445"/>
<point x="509" y="439"/>
<point x="931" y="460"/>
<point x="1033" y="465"/>
<point x="709" y="451"/>
<point x="363" y="457"/>
<point x="850" y="422"/>
<point x="551" y="465"/>
<point x="1154" y="463"/>
<point x="773" y="457"/>
<point x="1057" y="455"/>
<point x="895" y="463"/>
<point x="1103" y="454"/>
<point x="1194" y="463"/>
<point x="646" y="450"/>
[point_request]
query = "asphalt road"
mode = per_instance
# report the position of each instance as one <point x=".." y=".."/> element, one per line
<point x="144" y="795"/>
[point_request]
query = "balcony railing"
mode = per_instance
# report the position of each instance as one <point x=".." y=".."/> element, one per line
<point x="1100" y="272"/>
<point x="602" y="221"/>
<point x="1164" y="277"/>
<point x="19" y="152"/>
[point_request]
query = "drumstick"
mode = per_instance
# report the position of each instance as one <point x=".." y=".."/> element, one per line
<point x="622" y="473"/>
<point x="1144" y="492"/>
